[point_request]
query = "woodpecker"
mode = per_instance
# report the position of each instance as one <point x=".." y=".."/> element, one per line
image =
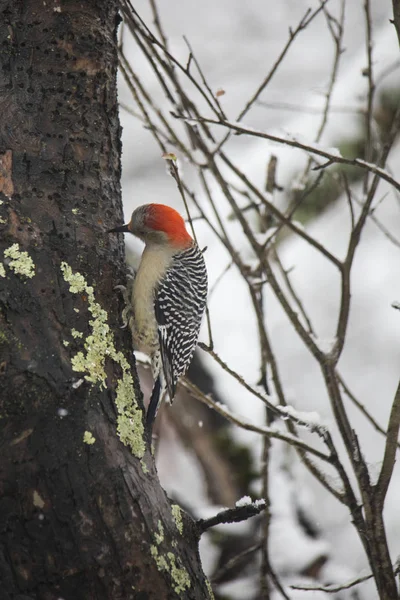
<point x="168" y="296"/>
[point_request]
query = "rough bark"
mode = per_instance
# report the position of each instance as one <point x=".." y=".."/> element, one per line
<point x="77" y="520"/>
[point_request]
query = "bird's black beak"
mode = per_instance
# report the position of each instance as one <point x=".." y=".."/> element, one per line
<point x="120" y="229"/>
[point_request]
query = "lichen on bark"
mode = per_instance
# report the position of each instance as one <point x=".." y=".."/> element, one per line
<point x="99" y="346"/>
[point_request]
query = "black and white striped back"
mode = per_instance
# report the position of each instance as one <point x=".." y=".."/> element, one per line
<point x="179" y="306"/>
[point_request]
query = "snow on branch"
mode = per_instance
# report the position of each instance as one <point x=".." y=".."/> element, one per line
<point x="243" y="510"/>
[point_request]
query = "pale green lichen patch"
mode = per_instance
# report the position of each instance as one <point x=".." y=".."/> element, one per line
<point x="98" y="346"/>
<point x="144" y="467"/>
<point x="21" y="263"/>
<point x="168" y="562"/>
<point x="159" y="537"/>
<point x="2" y="221"/>
<point x="179" y="575"/>
<point x="130" y="423"/>
<point x="2" y="270"/>
<point x="210" y="592"/>
<point x="177" y="514"/>
<point x="38" y="501"/>
<point x="88" y="438"/>
<point x="77" y="283"/>
<point x="161" y="563"/>
<point x="76" y="334"/>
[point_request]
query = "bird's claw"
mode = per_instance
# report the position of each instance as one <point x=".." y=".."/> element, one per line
<point x="127" y="313"/>
<point x="130" y="273"/>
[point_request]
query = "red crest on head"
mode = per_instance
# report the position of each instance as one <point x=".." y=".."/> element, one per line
<point x="164" y="218"/>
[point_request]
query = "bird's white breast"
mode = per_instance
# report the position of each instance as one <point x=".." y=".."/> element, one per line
<point x="154" y="263"/>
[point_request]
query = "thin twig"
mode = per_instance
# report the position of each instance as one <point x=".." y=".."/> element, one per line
<point x="371" y="215"/>
<point x="203" y="79"/>
<point x="371" y="89"/>
<point x="320" y="430"/>
<point x="220" y="278"/>
<point x="234" y="562"/>
<point x="293" y="292"/>
<point x="280" y="216"/>
<point x="361" y="407"/>
<point x="355" y="236"/>
<point x="157" y="23"/>
<point x="310" y="110"/>
<point x="304" y="22"/>
<point x="336" y="28"/>
<point x="332" y="589"/>
<point x="243" y="424"/>
<point x="331" y="158"/>
<point x="389" y="458"/>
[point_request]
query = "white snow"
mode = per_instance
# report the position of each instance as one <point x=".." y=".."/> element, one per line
<point x="245" y="501"/>
<point x="310" y="419"/>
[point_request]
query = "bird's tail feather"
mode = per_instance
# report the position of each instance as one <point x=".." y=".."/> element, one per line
<point x="155" y="401"/>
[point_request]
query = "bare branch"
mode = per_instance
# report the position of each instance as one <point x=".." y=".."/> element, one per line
<point x="319" y="429"/>
<point x="396" y="16"/>
<point x="355" y="237"/>
<point x="233" y="562"/>
<point x="389" y="458"/>
<point x="231" y="515"/>
<point x="361" y="407"/>
<point x="265" y="562"/>
<point x="305" y="21"/>
<point x="204" y="80"/>
<point x="332" y="589"/>
<point x="371" y="89"/>
<point x="157" y="23"/>
<point x="273" y="433"/>
<point x="336" y="29"/>
<point x="293" y="292"/>
<point x="280" y="216"/>
<point x="311" y="110"/>
<point x="332" y="158"/>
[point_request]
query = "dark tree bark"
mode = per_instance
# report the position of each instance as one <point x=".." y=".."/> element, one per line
<point x="82" y="514"/>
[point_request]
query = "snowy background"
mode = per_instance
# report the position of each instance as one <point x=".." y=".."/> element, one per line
<point x="236" y="44"/>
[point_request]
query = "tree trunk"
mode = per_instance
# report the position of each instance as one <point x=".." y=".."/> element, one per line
<point x="82" y="514"/>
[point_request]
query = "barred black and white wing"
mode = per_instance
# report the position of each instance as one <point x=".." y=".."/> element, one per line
<point x="179" y="307"/>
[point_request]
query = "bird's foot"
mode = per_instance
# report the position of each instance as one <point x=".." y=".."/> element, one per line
<point x="127" y="312"/>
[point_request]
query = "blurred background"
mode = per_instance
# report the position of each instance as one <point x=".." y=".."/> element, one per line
<point x="203" y="462"/>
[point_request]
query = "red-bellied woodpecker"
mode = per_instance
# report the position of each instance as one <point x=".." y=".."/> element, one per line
<point x="168" y="296"/>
